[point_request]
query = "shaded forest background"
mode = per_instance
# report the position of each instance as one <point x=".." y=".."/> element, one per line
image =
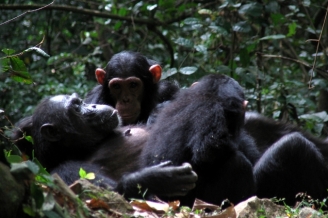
<point x="277" y="50"/>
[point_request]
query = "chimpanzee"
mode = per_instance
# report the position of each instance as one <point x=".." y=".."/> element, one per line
<point x="130" y="84"/>
<point x="203" y="125"/>
<point x="292" y="160"/>
<point x="69" y="134"/>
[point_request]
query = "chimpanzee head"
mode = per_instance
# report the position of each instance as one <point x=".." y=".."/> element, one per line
<point x="130" y="85"/>
<point x="230" y="95"/>
<point x="65" y="126"/>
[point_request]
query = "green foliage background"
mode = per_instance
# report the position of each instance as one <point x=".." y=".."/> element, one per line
<point x="266" y="45"/>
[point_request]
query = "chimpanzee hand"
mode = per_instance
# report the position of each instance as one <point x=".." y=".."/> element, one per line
<point x="162" y="179"/>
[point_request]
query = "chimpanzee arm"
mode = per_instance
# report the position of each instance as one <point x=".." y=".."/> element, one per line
<point x="161" y="179"/>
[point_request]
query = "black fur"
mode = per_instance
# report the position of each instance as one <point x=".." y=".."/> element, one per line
<point x="204" y="126"/>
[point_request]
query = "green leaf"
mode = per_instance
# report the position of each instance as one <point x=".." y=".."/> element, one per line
<point x="184" y="42"/>
<point x="118" y="25"/>
<point x="291" y="29"/>
<point x="29" y="139"/>
<point x="122" y="12"/>
<point x="242" y="27"/>
<point x="18" y="71"/>
<point x="38" y="51"/>
<point x="14" y="159"/>
<point x="205" y="11"/>
<point x="34" y="168"/>
<point x="151" y="7"/>
<point x="37" y="194"/>
<point x="90" y="176"/>
<point x="8" y="51"/>
<point x="273" y="37"/>
<point x="188" y="70"/>
<point x="169" y="72"/>
<point x="277" y="19"/>
<point x="223" y="69"/>
<point x="82" y="173"/>
<point x="191" y="21"/>
<point x="251" y="9"/>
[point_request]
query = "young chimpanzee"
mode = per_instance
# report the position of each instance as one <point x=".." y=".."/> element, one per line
<point x="69" y="134"/>
<point x="130" y="84"/>
<point x="204" y="126"/>
<point x="292" y="160"/>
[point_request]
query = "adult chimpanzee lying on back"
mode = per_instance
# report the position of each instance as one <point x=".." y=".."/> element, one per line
<point x="130" y="83"/>
<point x="204" y="125"/>
<point x="69" y="134"/>
<point x="300" y="164"/>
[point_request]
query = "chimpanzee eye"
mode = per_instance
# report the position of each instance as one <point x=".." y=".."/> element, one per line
<point x="116" y="86"/>
<point x="133" y="85"/>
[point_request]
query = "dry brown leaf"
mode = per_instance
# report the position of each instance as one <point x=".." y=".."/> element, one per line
<point x="97" y="204"/>
<point x="155" y="206"/>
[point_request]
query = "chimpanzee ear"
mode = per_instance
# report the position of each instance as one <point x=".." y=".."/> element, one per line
<point x="50" y="132"/>
<point x="245" y="105"/>
<point x="195" y="83"/>
<point x="100" y="75"/>
<point x="156" y="71"/>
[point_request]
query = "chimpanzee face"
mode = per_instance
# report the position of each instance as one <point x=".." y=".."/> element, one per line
<point x="62" y="115"/>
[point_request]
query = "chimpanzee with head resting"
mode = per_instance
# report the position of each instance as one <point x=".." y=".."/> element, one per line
<point x="204" y="125"/>
<point x="69" y="134"/>
<point x="292" y="161"/>
<point x="129" y="83"/>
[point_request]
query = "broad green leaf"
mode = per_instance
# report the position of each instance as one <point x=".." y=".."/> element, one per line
<point x="29" y="139"/>
<point x="272" y="7"/>
<point x="223" y="69"/>
<point x="151" y="7"/>
<point x="8" y="51"/>
<point x="169" y="72"/>
<point x="188" y="70"/>
<point x="251" y="9"/>
<point x="306" y="3"/>
<point x="191" y="21"/>
<point x="272" y="37"/>
<point x="122" y="12"/>
<point x="205" y="11"/>
<point x="318" y="117"/>
<point x="117" y="25"/>
<point x="82" y="173"/>
<point x="14" y="159"/>
<point x="242" y="27"/>
<point x="184" y="42"/>
<point x="37" y="194"/>
<point x="277" y="19"/>
<point x="15" y="167"/>
<point x="90" y="176"/>
<point x="292" y="29"/>
<point x="32" y="166"/>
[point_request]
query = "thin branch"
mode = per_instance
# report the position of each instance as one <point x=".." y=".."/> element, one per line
<point x="321" y="72"/>
<point x="81" y="11"/>
<point x="30" y="11"/>
<point x="316" y="52"/>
